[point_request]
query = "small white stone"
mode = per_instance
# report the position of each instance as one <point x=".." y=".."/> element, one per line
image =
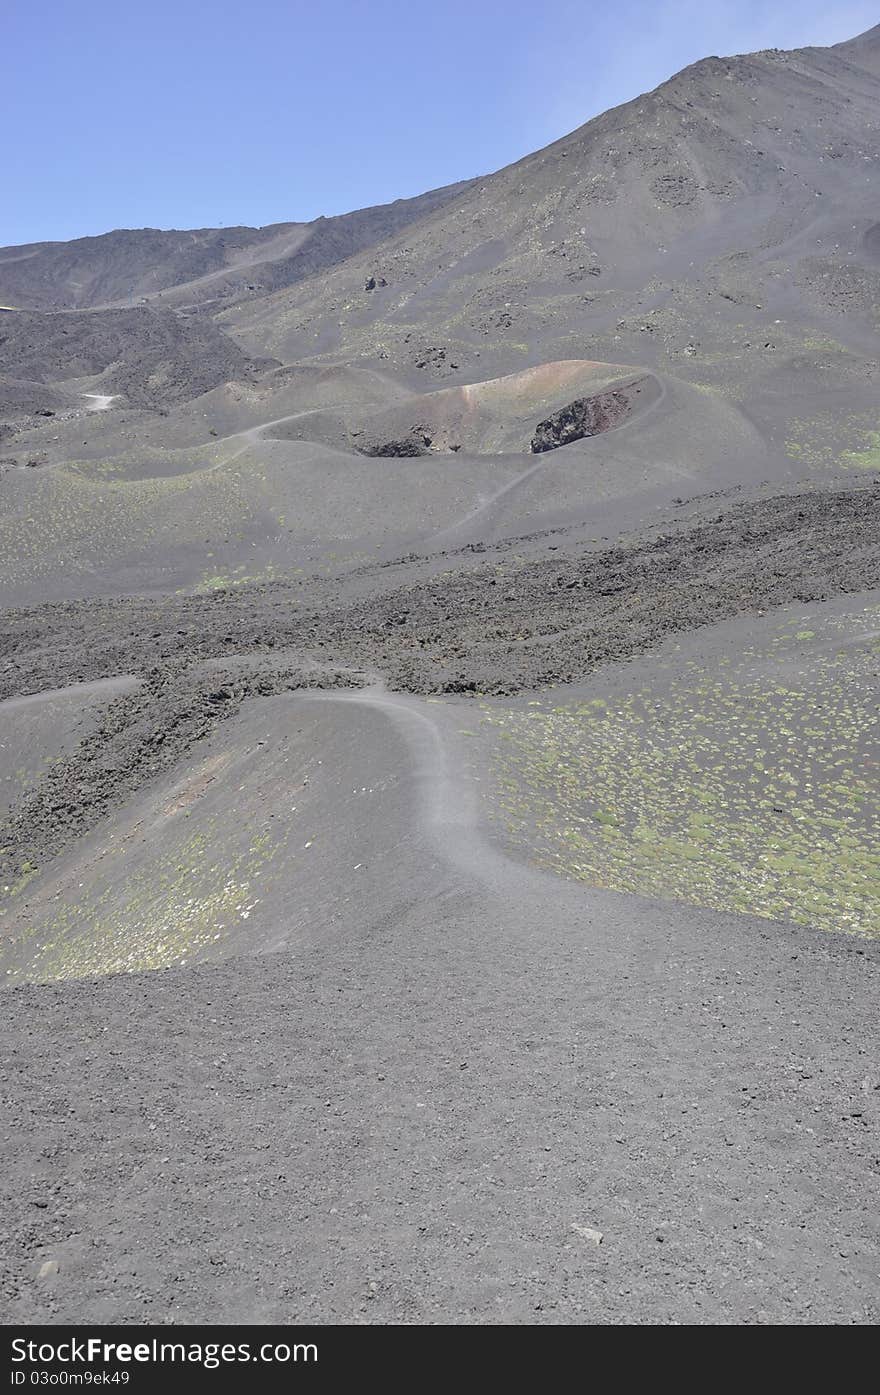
<point x="587" y="1232"/>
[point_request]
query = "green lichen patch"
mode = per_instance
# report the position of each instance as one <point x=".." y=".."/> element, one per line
<point x="725" y="786"/>
<point x="168" y="912"/>
<point x="866" y="459"/>
<point x="827" y="441"/>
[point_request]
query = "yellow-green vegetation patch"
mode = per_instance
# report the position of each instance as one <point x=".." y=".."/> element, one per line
<point x="237" y="576"/>
<point x="867" y="459"/>
<point x="90" y="522"/>
<point x="826" y="441"/>
<point x="143" y="462"/>
<point x="170" y="911"/>
<point x="747" y="787"/>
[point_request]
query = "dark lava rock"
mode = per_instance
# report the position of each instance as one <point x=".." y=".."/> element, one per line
<point x="587" y="416"/>
<point x="413" y="445"/>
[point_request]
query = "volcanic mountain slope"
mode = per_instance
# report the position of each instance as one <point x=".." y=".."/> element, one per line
<point x="506" y="1094"/>
<point x="437" y="742"/>
<point x="713" y="241"/>
<point x="213" y="264"/>
<point x="863" y="50"/>
<point x="722" y="226"/>
<point x="131" y="264"/>
<point x="147" y="356"/>
<point x="151" y="357"/>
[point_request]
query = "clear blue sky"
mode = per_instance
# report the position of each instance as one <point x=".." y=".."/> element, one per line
<point x="183" y="113"/>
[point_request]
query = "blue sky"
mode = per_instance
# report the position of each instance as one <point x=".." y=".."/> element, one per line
<point x="193" y="114"/>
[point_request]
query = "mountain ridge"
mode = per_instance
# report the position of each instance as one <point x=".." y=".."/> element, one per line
<point x="160" y="261"/>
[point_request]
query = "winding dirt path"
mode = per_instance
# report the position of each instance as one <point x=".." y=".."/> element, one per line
<point x="447" y="808"/>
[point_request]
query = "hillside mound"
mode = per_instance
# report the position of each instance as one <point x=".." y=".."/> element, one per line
<point x="499" y="416"/>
